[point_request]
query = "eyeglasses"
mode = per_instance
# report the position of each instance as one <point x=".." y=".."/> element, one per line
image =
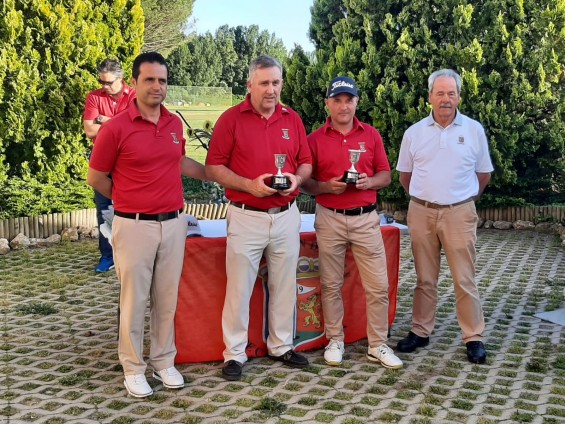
<point x="107" y="83"/>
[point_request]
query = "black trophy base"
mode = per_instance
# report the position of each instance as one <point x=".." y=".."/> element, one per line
<point x="280" y="182"/>
<point x="350" y="177"/>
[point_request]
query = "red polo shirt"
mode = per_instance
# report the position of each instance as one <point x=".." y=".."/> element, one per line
<point x="98" y="102"/>
<point x="330" y="154"/>
<point x="144" y="160"/>
<point x="245" y="142"/>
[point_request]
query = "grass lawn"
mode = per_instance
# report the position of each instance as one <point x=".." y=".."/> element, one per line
<point x="197" y="117"/>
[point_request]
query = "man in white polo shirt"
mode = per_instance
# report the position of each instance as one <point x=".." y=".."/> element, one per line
<point x="444" y="165"/>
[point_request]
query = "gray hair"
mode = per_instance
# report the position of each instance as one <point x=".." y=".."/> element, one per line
<point x="261" y="62"/>
<point x="445" y="73"/>
<point x="112" y="66"/>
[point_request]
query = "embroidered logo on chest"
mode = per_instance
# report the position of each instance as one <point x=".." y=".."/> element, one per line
<point x="175" y="139"/>
<point x="362" y="146"/>
<point x="285" y="134"/>
<point x="461" y="140"/>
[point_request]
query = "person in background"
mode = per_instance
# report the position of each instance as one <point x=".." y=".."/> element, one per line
<point x="100" y="106"/>
<point x="260" y="220"/>
<point x="144" y="151"/>
<point x="444" y="165"/>
<point x="346" y="215"/>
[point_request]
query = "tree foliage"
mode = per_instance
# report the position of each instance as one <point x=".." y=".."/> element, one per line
<point x="165" y="24"/>
<point x="222" y="58"/>
<point x="49" y="50"/>
<point x="510" y="54"/>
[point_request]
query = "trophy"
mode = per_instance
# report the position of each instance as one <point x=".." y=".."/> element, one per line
<point x="280" y="181"/>
<point x="351" y="175"/>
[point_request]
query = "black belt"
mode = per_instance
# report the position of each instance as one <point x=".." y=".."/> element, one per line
<point x="355" y="211"/>
<point x="437" y="205"/>
<point x="271" y="210"/>
<point x="159" y="217"/>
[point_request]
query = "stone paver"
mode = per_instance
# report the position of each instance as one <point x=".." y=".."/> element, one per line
<point x="59" y="361"/>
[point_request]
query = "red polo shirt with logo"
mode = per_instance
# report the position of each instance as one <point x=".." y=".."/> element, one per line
<point x="144" y="160"/>
<point x="98" y="102"/>
<point x="330" y="155"/>
<point x="246" y="143"/>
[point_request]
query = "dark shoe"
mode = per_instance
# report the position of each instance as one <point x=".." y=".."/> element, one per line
<point x="412" y="342"/>
<point x="232" y="370"/>
<point x="476" y="353"/>
<point x="292" y="359"/>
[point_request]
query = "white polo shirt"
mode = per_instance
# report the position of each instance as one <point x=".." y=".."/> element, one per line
<point x="444" y="161"/>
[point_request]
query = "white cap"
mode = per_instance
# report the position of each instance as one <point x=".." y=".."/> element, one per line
<point x="193" y="229"/>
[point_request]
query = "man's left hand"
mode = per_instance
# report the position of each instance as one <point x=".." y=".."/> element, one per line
<point x="363" y="183"/>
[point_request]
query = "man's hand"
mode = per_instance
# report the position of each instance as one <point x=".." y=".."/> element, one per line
<point x="295" y="181"/>
<point x="333" y="186"/>
<point x="258" y="188"/>
<point x="363" y="183"/>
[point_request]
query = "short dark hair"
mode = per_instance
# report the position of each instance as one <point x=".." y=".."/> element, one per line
<point x="147" y="57"/>
<point x="112" y="66"/>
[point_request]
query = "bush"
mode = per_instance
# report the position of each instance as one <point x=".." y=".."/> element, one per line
<point x="31" y="197"/>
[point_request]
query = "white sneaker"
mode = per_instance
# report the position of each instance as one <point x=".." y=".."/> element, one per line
<point x="385" y="356"/>
<point x="334" y="353"/>
<point x="171" y="378"/>
<point x="136" y="385"/>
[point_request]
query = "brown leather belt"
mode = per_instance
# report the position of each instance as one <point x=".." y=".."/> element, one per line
<point x="270" y="211"/>
<point x="159" y="217"/>
<point x="437" y="205"/>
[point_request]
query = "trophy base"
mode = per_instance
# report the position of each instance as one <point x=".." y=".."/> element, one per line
<point x="280" y="182"/>
<point x="350" y="177"/>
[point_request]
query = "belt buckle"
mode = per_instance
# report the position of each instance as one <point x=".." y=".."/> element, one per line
<point x="273" y="210"/>
<point x="162" y="217"/>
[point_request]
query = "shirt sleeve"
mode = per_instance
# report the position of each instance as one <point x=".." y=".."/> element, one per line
<point x="380" y="160"/>
<point x="222" y="141"/>
<point x="405" y="160"/>
<point x="484" y="163"/>
<point x="91" y="107"/>
<point x="304" y="153"/>
<point x="105" y="150"/>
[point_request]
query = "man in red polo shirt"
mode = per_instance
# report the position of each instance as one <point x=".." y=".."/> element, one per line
<point x="101" y="105"/>
<point x="346" y="214"/>
<point x="144" y="151"/>
<point x="261" y="220"/>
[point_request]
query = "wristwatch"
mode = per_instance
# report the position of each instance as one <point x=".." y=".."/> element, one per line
<point x="98" y="120"/>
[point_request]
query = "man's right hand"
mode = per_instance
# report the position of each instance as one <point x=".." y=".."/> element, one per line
<point x="258" y="188"/>
<point x="333" y="186"/>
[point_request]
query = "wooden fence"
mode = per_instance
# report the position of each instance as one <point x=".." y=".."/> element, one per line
<point x="43" y="226"/>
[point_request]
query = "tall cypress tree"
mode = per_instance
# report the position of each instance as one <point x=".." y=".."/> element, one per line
<point x="510" y="53"/>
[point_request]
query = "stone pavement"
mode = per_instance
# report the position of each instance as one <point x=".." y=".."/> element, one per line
<point x="59" y="362"/>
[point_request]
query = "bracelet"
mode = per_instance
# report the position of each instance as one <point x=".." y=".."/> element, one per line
<point x="98" y="120"/>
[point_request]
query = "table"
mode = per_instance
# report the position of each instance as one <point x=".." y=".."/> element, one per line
<point x="198" y="321"/>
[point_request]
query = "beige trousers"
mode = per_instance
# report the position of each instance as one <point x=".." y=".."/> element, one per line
<point x="148" y="256"/>
<point x="250" y="236"/>
<point x="455" y="230"/>
<point x="334" y="232"/>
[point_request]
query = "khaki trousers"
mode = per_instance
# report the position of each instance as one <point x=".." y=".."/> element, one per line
<point x="250" y="236"/>
<point x="334" y="232"/>
<point x="148" y="256"/>
<point x="454" y="229"/>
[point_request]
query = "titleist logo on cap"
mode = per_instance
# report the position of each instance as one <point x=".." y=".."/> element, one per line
<point x="341" y="84"/>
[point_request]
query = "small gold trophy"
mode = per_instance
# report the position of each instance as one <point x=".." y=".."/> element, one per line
<point x="351" y="175"/>
<point x="280" y="181"/>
